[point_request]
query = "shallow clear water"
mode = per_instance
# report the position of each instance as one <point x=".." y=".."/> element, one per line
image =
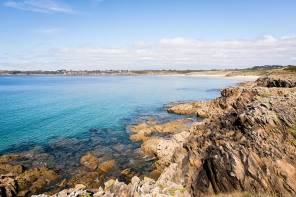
<point x="66" y="116"/>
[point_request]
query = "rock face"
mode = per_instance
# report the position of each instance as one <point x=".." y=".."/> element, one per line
<point x="274" y="81"/>
<point x="247" y="143"/>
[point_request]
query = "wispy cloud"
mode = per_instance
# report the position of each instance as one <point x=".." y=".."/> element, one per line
<point x="95" y="3"/>
<point x="48" y="30"/>
<point x="43" y="6"/>
<point x="176" y="53"/>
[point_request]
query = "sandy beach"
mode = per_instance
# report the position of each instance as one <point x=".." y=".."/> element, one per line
<point x="242" y="77"/>
<point x="239" y="77"/>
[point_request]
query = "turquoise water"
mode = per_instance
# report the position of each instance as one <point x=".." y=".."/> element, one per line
<point x="67" y="116"/>
<point x="36" y="109"/>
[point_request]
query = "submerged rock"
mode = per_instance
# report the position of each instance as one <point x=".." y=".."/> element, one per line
<point x="90" y="161"/>
<point x="107" y="166"/>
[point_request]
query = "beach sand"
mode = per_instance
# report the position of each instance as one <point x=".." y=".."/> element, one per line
<point x="242" y="77"/>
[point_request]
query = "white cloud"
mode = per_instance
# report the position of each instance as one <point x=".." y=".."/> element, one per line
<point x="44" y="6"/>
<point x="176" y="53"/>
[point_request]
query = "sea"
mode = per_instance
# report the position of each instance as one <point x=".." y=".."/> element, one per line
<point x="58" y="119"/>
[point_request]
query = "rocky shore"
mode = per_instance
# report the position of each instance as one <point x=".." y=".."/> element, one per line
<point x="245" y="143"/>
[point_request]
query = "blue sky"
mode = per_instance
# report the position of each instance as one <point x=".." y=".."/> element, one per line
<point x="146" y="34"/>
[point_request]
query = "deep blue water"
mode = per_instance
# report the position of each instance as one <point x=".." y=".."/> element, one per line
<point x="91" y="111"/>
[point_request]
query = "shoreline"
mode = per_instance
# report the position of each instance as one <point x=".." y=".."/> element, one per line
<point x="239" y="77"/>
<point x="222" y="116"/>
<point x="237" y="73"/>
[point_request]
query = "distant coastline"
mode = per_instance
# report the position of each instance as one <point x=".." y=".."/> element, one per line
<point x="249" y="73"/>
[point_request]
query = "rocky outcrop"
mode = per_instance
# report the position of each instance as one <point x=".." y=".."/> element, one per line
<point x="250" y="145"/>
<point x="23" y="182"/>
<point x="143" y="131"/>
<point x="232" y="98"/>
<point x="277" y="81"/>
<point x="165" y="148"/>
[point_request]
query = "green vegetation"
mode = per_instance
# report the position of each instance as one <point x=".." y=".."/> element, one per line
<point x="172" y="191"/>
<point x="84" y="195"/>
<point x="292" y="130"/>
<point x="256" y="70"/>
<point x="290" y="68"/>
<point x="164" y="186"/>
<point x="265" y="93"/>
<point x="293" y="141"/>
<point x="265" y="67"/>
<point x="110" y="184"/>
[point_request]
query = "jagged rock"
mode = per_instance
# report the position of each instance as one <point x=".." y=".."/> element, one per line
<point x="146" y="187"/>
<point x="275" y="81"/>
<point x="249" y="147"/>
<point x="8" y="185"/>
<point x="166" y="150"/>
